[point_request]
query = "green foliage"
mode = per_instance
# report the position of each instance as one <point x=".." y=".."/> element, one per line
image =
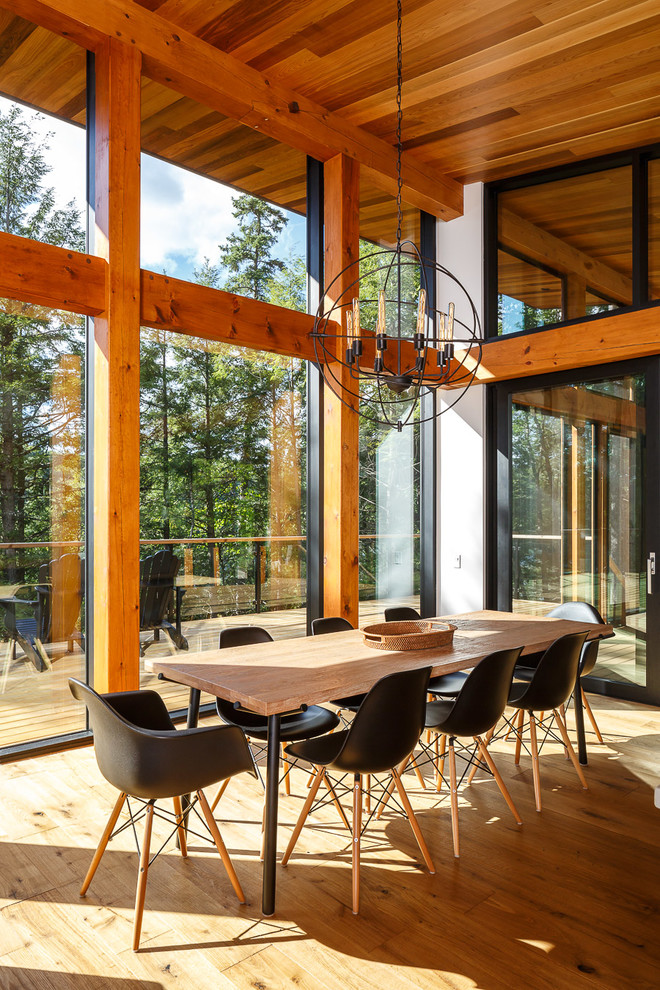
<point x="40" y="354"/>
<point x="247" y="253"/>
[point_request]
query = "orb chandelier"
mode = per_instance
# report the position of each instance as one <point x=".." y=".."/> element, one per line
<point x="384" y="335"/>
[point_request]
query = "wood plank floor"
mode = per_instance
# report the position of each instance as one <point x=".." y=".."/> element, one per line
<point x="568" y="901"/>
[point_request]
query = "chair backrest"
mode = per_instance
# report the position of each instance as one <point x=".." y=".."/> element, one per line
<point x="330" y="624"/>
<point x="554" y="678"/>
<point x="126" y="752"/>
<point x="388" y="723"/>
<point x="482" y="699"/>
<point x="60" y="593"/>
<point x="157" y="574"/>
<point x="399" y="613"/>
<point x="581" y="612"/>
<point x="243" y="636"/>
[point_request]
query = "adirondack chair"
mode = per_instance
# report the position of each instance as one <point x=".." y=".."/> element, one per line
<point x="54" y="614"/>
<point x="157" y="574"/>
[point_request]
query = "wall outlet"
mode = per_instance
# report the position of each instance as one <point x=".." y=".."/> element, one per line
<point x="457" y="560"/>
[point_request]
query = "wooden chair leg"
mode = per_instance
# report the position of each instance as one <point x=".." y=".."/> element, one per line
<point x="287" y="782"/>
<point x="418" y="772"/>
<point x="478" y="760"/>
<point x="592" y="719"/>
<point x="571" y="752"/>
<point x="417" y="832"/>
<point x="535" y="760"/>
<point x="142" y="876"/>
<point x="440" y="769"/>
<point x="390" y="787"/>
<point x="335" y="800"/>
<point x="453" y="785"/>
<point x="368" y="793"/>
<point x="357" y="835"/>
<point x="181" y="823"/>
<point x="519" y="732"/>
<point x="100" y="849"/>
<point x="309" y="801"/>
<point x="220" y="846"/>
<point x="223" y="788"/>
<point x="485" y="755"/>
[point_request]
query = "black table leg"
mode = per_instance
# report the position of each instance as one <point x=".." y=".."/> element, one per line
<point x="579" y="722"/>
<point x="191" y="723"/>
<point x="270" y="825"/>
<point x="193" y="708"/>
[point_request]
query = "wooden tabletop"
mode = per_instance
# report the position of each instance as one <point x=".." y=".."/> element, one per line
<point x="280" y="676"/>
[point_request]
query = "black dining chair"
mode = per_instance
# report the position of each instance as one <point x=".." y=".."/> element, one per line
<point x="142" y="754"/>
<point x="444" y="685"/>
<point x="383" y="733"/>
<point x="475" y="711"/>
<point x="550" y="687"/>
<point x="333" y="624"/>
<point x="305" y="723"/>
<point x="577" y="611"/>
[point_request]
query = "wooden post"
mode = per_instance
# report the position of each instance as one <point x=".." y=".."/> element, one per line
<point x="575" y="297"/>
<point x="117" y="370"/>
<point x="341" y="434"/>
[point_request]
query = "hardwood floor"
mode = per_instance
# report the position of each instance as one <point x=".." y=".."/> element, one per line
<point x="567" y="901"/>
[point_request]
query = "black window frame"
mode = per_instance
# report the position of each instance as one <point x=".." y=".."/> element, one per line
<point x="637" y="159"/>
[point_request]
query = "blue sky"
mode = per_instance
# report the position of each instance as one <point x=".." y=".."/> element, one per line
<point x="183" y="217"/>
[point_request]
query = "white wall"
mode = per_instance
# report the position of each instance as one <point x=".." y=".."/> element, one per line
<point x="461" y="433"/>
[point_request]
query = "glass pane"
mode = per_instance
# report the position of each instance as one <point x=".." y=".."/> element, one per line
<point x="223" y="442"/>
<point x="202" y="197"/>
<point x="389" y="460"/>
<point x="579" y="228"/>
<point x="654" y="229"/>
<point x="577" y="471"/>
<point x="42" y="515"/>
<point x="42" y="195"/>
<point x="529" y="297"/>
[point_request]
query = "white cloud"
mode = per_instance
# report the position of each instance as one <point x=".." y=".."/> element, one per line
<point x="184" y="217"/>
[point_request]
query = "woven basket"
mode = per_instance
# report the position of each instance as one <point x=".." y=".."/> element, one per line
<point x="415" y="634"/>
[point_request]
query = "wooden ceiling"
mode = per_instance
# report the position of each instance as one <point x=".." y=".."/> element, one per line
<point x="491" y="88"/>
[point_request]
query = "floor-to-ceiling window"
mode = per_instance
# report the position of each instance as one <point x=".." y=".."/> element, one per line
<point x="389" y="484"/>
<point x="576" y="522"/>
<point x="42" y="438"/>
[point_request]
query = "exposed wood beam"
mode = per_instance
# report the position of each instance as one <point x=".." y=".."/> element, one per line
<point x="117" y="371"/>
<point x="341" y="424"/>
<point x="518" y="234"/>
<point x="221" y="82"/>
<point x="616" y="337"/>
<point x="200" y="311"/>
<point x="51" y="276"/>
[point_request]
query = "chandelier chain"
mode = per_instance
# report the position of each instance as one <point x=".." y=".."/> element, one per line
<point x="399" y="118"/>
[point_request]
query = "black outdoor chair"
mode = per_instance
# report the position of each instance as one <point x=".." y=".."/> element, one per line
<point x="302" y="724"/>
<point x="383" y="733"/>
<point x="140" y="752"/>
<point x="54" y="613"/>
<point x="477" y="709"/>
<point x="551" y="685"/>
<point x="157" y="575"/>
<point x="445" y="685"/>
<point x="578" y="612"/>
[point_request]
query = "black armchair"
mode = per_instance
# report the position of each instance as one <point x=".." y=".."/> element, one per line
<point x="157" y="591"/>
<point x="55" y="612"/>
<point x="140" y="752"/>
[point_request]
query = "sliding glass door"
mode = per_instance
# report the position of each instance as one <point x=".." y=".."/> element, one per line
<point x="577" y="508"/>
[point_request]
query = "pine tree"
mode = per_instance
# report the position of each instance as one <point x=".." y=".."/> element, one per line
<point x="32" y="340"/>
<point x="247" y="254"/>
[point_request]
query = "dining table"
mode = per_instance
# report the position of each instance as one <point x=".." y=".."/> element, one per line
<point x="280" y="676"/>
